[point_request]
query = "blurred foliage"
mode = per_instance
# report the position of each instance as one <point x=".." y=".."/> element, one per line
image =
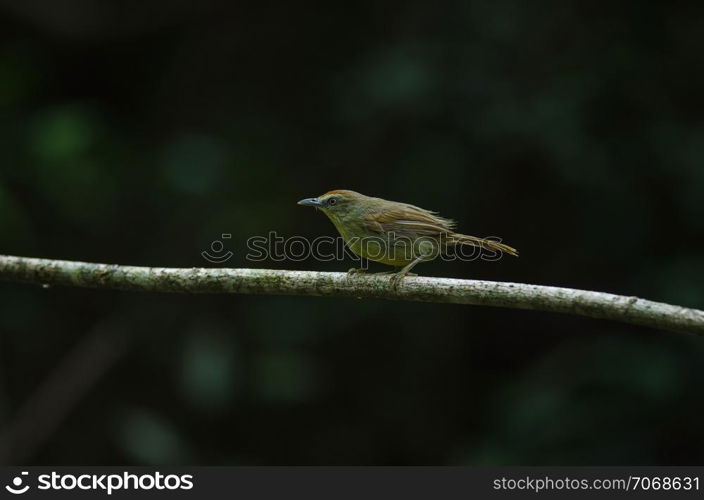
<point x="140" y="133"/>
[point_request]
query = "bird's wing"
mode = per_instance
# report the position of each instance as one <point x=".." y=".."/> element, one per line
<point x="407" y="221"/>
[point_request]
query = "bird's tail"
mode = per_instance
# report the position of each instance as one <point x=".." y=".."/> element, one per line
<point x="463" y="239"/>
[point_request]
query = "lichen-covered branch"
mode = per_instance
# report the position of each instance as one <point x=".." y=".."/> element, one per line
<point x="424" y="289"/>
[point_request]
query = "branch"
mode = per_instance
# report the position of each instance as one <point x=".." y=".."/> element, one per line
<point x="423" y="289"/>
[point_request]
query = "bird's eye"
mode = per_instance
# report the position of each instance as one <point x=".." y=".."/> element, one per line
<point x="332" y="201"/>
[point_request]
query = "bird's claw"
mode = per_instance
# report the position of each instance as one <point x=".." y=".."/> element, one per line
<point x="397" y="277"/>
<point x="354" y="270"/>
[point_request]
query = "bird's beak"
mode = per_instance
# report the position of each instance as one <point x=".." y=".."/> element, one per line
<point x="311" y="202"/>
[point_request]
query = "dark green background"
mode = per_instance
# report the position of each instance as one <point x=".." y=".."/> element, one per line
<point x="139" y="132"/>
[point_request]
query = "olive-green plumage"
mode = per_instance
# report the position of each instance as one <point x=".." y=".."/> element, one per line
<point x="393" y="233"/>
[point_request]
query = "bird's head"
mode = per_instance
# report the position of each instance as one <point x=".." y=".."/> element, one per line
<point x="335" y="204"/>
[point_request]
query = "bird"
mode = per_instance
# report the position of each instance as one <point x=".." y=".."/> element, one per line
<point x="393" y="233"/>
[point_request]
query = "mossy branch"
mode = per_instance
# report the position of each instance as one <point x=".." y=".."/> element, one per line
<point x="424" y="289"/>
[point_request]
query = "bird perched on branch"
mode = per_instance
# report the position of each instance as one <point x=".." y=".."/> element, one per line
<point x="393" y="233"/>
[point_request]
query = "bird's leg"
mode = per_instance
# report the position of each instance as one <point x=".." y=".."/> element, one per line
<point x="354" y="270"/>
<point x="396" y="278"/>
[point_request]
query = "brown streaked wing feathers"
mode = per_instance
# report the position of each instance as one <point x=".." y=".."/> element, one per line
<point x="407" y="220"/>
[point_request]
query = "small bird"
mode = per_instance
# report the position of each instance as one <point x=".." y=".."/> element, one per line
<point x="393" y="233"/>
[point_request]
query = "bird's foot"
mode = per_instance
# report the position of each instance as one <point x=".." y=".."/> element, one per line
<point x="354" y="270"/>
<point x="397" y="277"/>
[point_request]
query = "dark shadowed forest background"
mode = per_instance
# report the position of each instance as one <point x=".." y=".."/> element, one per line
<point x="140" y="132"/>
